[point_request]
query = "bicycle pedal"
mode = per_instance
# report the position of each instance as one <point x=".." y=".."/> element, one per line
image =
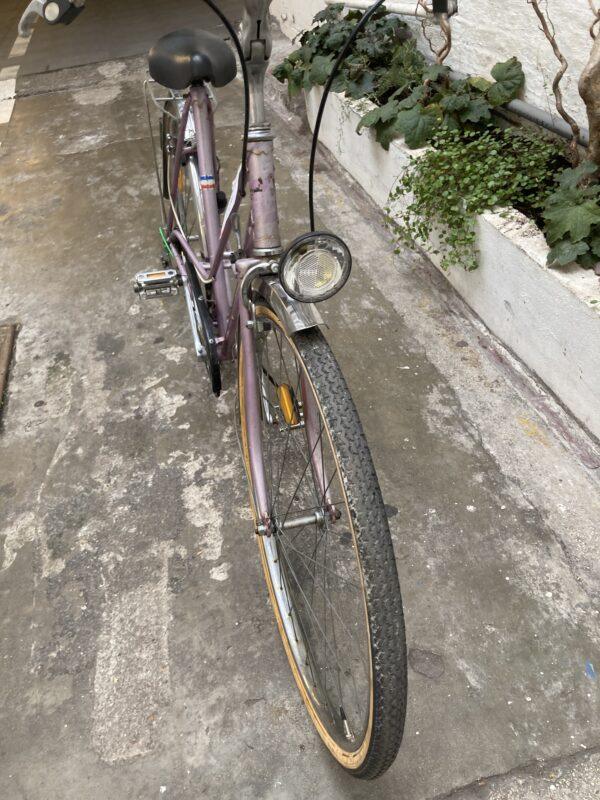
<point x="157" y="283"/>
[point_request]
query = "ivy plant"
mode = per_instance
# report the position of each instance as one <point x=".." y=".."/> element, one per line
<point x="412" y="99"/>
<point x="464" y="174"/>
<point x="473" y="164"/>
<point x="572" y="217"/>
<point x="365" y="67"/>
<point x="438" y="103"/>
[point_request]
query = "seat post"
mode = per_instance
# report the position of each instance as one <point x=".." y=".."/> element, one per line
<point x="256" y="41"/>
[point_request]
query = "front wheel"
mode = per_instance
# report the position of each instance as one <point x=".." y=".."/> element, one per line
<point x="327" y="554"/>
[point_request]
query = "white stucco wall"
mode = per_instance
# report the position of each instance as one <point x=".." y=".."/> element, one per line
<point x="532" y="308"/>
<point x="487" y="31"/>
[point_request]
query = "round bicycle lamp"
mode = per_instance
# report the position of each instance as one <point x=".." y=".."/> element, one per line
<point x="314" y="267"/>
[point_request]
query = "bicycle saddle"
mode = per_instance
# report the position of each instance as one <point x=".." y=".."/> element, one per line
<point x="188" y="56"/>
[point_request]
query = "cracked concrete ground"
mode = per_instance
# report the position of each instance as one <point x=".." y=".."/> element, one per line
<point x="139" y="656"/>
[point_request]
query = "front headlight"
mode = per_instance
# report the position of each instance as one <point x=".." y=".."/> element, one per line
<point x="314" y="267"/>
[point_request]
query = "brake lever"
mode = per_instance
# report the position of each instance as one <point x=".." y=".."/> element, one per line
<point x="34" y="9"/>
<point x="51" y="11"/>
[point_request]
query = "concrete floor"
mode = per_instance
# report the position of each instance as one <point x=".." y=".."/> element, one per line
<point x="139" y="656"/>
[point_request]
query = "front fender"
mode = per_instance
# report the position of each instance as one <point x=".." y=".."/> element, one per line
<point x="294" y="315"/>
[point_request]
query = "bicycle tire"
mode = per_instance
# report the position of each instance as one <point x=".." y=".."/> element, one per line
<point x="374" y="553"/>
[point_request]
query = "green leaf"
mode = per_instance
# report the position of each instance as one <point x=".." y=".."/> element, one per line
<point x="477" y="110"/>
<point x="587" y="261"/>
<point x="386" y="132"/>
<point x="361" y="87"/>
<point x="304" y="54"/>
<point x="319" y="70"/>
<point x="477" y="82"/>
<point x="455" y="102"/>
<point x="330" y="13"/>
<point x="565" y="251"/>
<point x="594" y="243"/>
<point x="370" y="47"/>
<point x="572" y="221"/>
<point x="570" y="178"/>
<point x="340" y="83"/>
<point x="451" y="123"/>
<point x="436" y="71"/>
<point x="379" y="114"/>
<point x="417" y="124"/>
<point x="336" y="39"/>
<point x="413" y="98"/>
<point x="282" y="71"/>
<point x="509" y="79"/>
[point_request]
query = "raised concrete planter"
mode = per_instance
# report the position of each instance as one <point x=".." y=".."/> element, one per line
<point x="547" y="317"/>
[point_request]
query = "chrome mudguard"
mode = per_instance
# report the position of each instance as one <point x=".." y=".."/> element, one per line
<point x="295" y="316"/>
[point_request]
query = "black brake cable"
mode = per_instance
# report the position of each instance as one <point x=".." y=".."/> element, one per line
<point x="315" y="140"/>
<point x="240" y="52"/>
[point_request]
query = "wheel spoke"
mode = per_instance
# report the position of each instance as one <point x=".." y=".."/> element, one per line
<point x="320" y="590"/>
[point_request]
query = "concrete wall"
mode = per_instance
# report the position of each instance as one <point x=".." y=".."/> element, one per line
<point x="487" y="31"/>
<point x="550" y="318"/>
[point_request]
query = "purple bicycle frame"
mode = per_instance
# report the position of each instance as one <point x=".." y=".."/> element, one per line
<point x="234" y="312"/>
<point x="262" y="240"/>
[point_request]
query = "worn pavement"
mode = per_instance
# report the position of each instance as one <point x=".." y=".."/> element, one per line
<point x="138" y="655"/>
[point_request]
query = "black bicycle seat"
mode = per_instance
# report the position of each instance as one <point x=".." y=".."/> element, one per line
<point x="187" y="57"/>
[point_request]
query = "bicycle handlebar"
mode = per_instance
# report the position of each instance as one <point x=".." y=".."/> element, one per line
<point x="51" y="11"/>
<point x="34" y="9"/>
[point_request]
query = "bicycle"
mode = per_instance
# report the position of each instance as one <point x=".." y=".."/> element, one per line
<point x="319" y="516"/>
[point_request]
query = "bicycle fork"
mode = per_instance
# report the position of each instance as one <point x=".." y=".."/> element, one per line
<point x="255" y="413"/>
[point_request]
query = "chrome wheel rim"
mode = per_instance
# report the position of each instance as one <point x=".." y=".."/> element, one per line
<point x="314" y="569"/>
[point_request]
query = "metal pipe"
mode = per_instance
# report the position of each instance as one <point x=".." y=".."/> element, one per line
<point x="544" y="119"/>
<point x="532" y="113"/>
<point x="404" y="9"/>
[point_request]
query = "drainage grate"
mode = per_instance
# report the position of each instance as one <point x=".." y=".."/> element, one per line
<point x="7" y="340"/>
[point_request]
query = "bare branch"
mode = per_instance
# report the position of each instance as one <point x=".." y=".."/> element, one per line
<point x="549" y="32"/>
<point x="596" y="13"/>
<point x="425" y="25"/>
<point x="447" y="43"/>
<point x="589" y="89"/>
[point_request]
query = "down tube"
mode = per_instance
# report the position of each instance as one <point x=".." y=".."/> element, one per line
<point x="252" y="412"/>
